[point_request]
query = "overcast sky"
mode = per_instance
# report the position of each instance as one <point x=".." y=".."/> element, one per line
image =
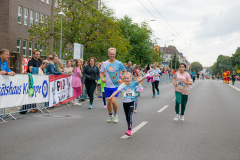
<point x="201" y="29"/>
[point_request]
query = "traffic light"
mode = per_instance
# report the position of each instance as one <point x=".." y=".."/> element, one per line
<point x="219" y="65"/>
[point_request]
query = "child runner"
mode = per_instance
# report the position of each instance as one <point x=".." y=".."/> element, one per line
<point x="128" y="89"/>
<point x="181" y="81"/>
<point x="138" y="90"/>
<point x="103" y="92"/>
<point x="156" y="71"/>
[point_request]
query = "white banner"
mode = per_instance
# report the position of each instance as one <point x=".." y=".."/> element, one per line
<point x="60" y="89"/>
<point x="78" y="51"/>
<point x="14" y="90"/>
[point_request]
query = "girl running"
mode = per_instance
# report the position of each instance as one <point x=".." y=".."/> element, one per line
<point x="181" y="81"/>
<point x="128" y="89"/>
<point x="138" y="90"/>
<point x="155" y="82"/>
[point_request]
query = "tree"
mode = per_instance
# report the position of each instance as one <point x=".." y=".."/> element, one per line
<point x="196" y="66"/>
<point x="173" y="61"/>
<point x="84" y="23"/>
<point x="141" y="50"/>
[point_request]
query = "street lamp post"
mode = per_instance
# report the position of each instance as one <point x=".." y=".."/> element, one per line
<point x="62" y="14"/>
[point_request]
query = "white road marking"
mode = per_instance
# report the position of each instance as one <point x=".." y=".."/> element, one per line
<point x="162" y="109"/>
<point x="135" y="129"/>
<point x="234" y="87"/>
<point x="174" y="99"/>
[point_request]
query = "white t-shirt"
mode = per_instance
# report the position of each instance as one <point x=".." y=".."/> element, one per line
<point x="128" y="91"/>
<point x="156" y="72"/>
<point x="112" y="72"/>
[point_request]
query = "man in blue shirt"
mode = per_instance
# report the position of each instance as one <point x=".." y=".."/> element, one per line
<point x="194" y="75"/>
<point x="4" y="70"/>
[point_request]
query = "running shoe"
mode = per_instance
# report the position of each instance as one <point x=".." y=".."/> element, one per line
<point x="153" y="96"/>
<point x="104" y="106"/>
<point x="77" y="104"/>
<point x="128" y="132"/>
<point x="177" y="117"/>
<point x="90" y="106"/>
<point x="135" y="111"/>
<point x="182" y="118"/>
<point x="115" y="119"/>
<point x="158" y="92"/>
<point x="110" y="120"/>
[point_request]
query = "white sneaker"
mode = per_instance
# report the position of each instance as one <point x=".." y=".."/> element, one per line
<point x="182" y="118"/>
<point x="115" y="119"/>
<point x="110" y="120"/>
<point x="77" y="104"/>
<point x="177" y="117"/>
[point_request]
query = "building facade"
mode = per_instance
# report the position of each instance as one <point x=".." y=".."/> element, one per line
<point x="17" y="17"/>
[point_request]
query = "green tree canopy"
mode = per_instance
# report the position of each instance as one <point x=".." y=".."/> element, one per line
<point x="196" y="66"/>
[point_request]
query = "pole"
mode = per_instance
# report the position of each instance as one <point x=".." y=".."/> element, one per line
<point x="61" y="40"/>
<point x="176" y="61"/>
<point x="51" y="29"/>
<point x="165" y="54"/>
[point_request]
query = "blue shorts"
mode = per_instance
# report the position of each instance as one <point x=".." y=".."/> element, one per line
<point x="110" y="91"/>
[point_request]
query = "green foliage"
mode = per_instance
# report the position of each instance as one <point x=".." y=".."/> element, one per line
<point x="84" y="23"/>
<point x="141" y="49"/>
<point x="196" y="66"/>
<point x="174" y="61"/>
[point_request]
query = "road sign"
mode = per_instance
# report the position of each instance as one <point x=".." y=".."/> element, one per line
<point x="238" y="71"/>
<point x="78" y="51"/>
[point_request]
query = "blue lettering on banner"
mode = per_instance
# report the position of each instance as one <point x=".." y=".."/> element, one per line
<point x="9" y="90"/>
<point x="45" y="89"/>
<point x="25" y="88"/>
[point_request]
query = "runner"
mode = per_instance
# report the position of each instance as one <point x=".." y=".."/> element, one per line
<point x="112" y="68"/>
<point x="194" y="75"/>
<point x="218" y="76"/>
<point x="101" y="84"/>
<point x="128" y="89"/>
<point x="198" y="75"/>
<point x="156" y="78"/>
<point x="233" y="77"/>
<point x="224" y="75"/>
<point x="202" y="76"/>
<point x="181" y="81"/>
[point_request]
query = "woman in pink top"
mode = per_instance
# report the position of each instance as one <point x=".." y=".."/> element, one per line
<point x="76" y="81"/>
<point x="181" y="80"/>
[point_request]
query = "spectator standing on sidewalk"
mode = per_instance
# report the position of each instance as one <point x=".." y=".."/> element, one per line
<point x="34" y="62"/>
<point x="76" y="81"/>
<point x="91" y="73"/>
<point x="68" y="68"/>
<point x="52" y="69"/>
<point x="4" y="70"/>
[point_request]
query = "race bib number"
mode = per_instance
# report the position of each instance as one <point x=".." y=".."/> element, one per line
<point x="128" y="94"/>
<point x="180" y="83"/>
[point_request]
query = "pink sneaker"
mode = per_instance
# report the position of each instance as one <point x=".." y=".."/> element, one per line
<point x="104" y="106"/>
<point x="128" y="132"/>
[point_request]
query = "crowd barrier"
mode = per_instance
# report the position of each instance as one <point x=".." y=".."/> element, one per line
<point x="49" y="91"/>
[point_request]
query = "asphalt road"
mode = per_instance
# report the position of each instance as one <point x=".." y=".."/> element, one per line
<point x="210" y="131"/>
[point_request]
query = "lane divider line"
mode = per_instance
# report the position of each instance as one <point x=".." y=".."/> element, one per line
<point x="135" y="129"/>
<point x="234" y="87"/>
<point x="162" y="109"/>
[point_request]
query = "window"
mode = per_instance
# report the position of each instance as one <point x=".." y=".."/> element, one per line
<point x="18" y="45"/>
<point x="42" y="18"/>
<point x="24" y="47"/>
<point x="47" y="1"/>
<point x="19" y="14"/>
<point x="30" y="49"/>
<point x="41" y="47"/>
<point x="35" y="45"/>
<point x="25" y="16"/>
<point x="42" y="0"/>
<point x="46" y="20"/>
<point x="31" y="18"/>
<point x="37" y="18"/>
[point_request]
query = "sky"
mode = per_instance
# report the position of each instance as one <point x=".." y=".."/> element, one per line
<point x="200" y="29"/>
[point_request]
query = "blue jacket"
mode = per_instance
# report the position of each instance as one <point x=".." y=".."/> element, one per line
<point x="4" y="66"/>
<point x="51" y="69"/>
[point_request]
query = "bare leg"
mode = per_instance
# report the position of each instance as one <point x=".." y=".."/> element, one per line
<point x="114" y="103"/>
